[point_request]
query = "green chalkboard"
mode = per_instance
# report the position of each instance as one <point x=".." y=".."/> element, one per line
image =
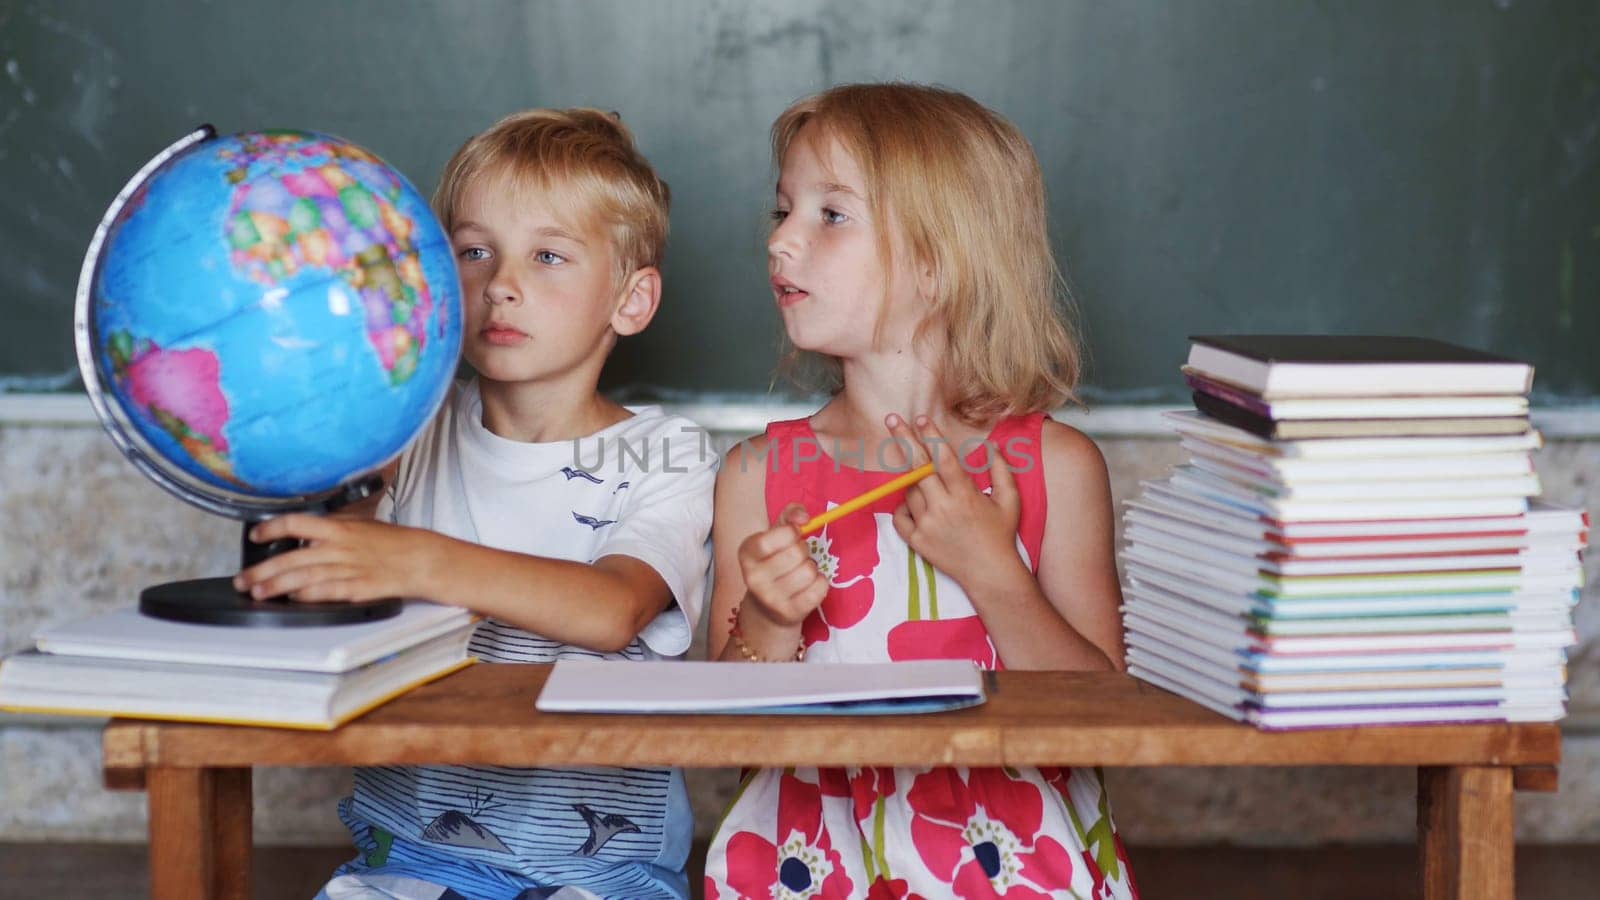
<point x="1429" y="167"/>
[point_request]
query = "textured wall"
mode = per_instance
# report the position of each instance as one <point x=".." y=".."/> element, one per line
<point x="80" y="532"/>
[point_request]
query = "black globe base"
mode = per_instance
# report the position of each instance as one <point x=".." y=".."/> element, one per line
<point x="213" y="601"/>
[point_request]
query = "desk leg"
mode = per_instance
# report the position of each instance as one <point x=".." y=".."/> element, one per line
<point x="1464" y="832"/>
<point x="199" y="833"/>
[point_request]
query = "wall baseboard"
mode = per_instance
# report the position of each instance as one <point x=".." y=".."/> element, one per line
<point x="743" y="418"/>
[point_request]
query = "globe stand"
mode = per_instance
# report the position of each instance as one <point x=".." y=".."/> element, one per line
<point x="213" y="601"/>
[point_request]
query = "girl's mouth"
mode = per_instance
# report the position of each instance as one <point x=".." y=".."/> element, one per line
<point x="786" y="293"/>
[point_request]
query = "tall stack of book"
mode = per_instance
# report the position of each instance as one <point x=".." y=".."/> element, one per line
<point x="1354" y="539"/>
<point x="122" y="663"/>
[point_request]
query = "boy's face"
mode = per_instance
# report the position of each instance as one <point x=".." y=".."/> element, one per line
<point x="828" y="277"/>
<point x="539" y="291"/>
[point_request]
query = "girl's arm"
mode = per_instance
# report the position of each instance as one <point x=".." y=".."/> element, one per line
<point x="1081" y="628"/>
<point x="760" y="570"/>
<point x="1067" y="617"/>
<point x="740" y="512"/>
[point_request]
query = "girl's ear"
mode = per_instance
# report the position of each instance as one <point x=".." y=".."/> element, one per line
<point x="641" y="297"/>
<point x="927" y="279"/>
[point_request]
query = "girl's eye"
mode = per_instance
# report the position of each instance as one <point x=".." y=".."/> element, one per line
<point x="834" y="217"/>
<point x="778" y="215"/>
<point x="550" y="259"/>
<point x="474" y="254"/>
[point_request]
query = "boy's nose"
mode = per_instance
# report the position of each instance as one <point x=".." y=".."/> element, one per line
<point x="501" y="289"/>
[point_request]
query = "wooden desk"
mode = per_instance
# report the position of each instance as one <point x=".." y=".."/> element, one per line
<point x="198" y="776"/>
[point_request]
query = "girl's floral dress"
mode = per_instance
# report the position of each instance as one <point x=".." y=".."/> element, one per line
<point x="908" y="832"/>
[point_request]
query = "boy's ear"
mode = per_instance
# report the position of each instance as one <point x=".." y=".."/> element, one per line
<point x="640" y="298"/>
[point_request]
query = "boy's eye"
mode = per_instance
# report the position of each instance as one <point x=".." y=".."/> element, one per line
<point x="778" y="215"/>
<point x="548" y="258"/>
<point x="834" y="217"/>
<point x="474" y="254"/>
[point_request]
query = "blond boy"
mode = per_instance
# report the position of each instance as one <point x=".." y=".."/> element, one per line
<point x="576" y="526"/>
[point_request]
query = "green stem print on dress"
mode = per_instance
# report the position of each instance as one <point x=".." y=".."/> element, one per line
<point x="913" y="598"/>
<point x="877" y="840"/>
<point x="1100" y="838"/>
<point x="933" y="590"/>
<point x="914" y="588"/>
<point x="1102" y="835"/>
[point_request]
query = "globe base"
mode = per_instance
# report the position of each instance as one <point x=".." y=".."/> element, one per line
<point x="213" y="601"/>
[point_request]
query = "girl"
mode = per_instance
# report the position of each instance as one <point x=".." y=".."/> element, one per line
<point x="909" y="256"/>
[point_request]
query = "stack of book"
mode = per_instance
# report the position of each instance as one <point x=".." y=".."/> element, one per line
<point x="123" y="663"/>
<point x="1353" y="539"/>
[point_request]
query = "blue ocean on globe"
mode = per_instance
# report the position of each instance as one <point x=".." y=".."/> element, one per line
<point x="276" y="313"/>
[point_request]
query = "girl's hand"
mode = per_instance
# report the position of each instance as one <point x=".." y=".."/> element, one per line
<point x="946" y="519"/>
<point x="345" y="559"/>
<point x="784" y="583"/>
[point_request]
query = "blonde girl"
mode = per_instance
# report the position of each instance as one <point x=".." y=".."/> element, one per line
<point x="910" y="261"/>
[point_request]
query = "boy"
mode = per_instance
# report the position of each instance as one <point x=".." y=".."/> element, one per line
<point x="575" y="526"/>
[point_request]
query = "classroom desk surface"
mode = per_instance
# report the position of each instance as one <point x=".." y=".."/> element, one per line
<point x="198" y="776"/>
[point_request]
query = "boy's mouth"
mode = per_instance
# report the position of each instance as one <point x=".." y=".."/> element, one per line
<point x="502" y="335"/>
<point x="786" y="293"/>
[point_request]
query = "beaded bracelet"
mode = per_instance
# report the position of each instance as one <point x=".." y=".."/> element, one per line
<point x="736" y="634"/>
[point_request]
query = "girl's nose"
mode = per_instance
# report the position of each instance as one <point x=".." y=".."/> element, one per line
<point x="782" y="241"/>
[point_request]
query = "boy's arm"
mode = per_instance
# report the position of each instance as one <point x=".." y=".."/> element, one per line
<point x="602" y="606"/>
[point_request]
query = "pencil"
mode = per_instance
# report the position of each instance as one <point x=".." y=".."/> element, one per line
<point x="818" y="521"/>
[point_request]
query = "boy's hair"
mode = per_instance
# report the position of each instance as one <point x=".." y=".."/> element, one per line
<point x="586" y="160"/>
<point x="966" y="192"/>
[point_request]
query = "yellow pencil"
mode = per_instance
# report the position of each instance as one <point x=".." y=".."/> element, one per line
<point x="816" y="522"/>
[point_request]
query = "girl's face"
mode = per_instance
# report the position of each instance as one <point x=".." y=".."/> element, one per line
<point x="828" y="278"/>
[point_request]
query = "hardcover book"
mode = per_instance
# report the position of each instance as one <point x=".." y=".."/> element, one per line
<point x="1326" y="365"/>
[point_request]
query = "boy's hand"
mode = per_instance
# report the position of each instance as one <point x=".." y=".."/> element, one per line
<point x="345" y="559"/>
<point x="782" y="580"/>
<point x="946" y="519"/>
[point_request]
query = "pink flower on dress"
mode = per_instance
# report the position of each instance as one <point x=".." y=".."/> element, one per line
<point x="833" y="783"/>
<point x="849" y="577"/>
<point x="982" y="837"/>
<point x="963" y="638"/>
<point x="867" y="787"/>
<point x="803" y="866"/>
<point x="897" y="889"/>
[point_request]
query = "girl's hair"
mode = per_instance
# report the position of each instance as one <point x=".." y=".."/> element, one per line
<point x="965" y="190"/>
<point x="585" y="159"/>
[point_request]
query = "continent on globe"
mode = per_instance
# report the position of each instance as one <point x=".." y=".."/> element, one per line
<point x="274" y="315"/>
<point x="180" y="391"/>
<point x="303" y="204"/>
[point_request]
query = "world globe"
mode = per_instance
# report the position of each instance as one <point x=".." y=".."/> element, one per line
<point x="265" y="318"/>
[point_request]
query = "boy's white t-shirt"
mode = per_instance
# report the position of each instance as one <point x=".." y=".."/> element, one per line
<point x="639" y="488"/>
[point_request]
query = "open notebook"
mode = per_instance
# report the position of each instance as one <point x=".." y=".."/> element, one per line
<point x="765" y="688"/>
